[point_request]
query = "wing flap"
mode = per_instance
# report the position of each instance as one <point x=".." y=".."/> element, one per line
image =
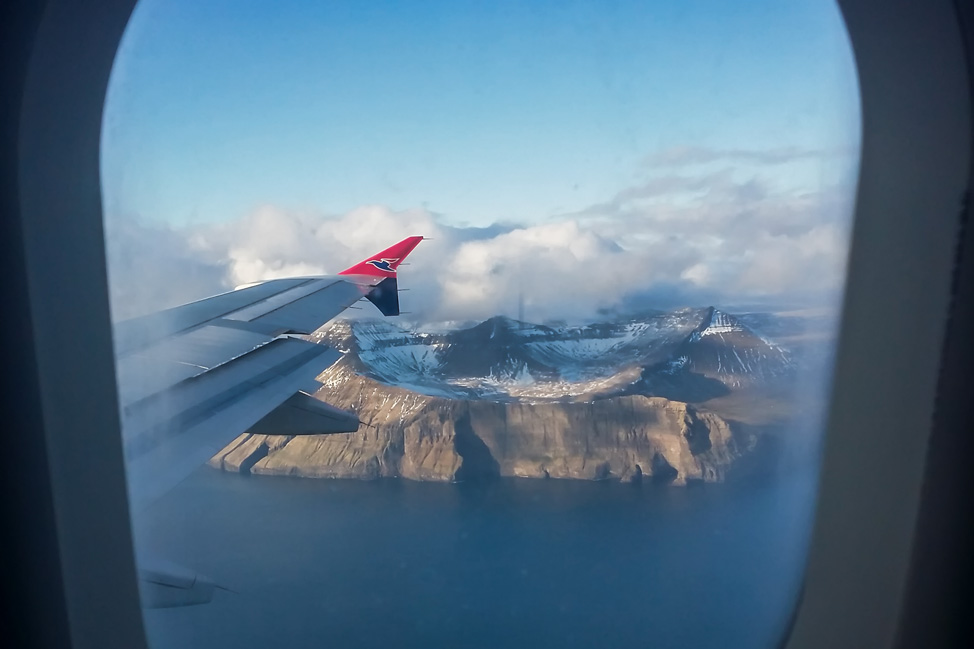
<point x="302" y="414"/>
<point x="164" y="364"/>
<point x="164" y="413"/>
<point x="151" y="367"/>
<point x="167" y="436"/>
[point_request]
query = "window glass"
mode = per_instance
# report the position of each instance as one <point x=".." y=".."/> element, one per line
<point x="597" y="420"/>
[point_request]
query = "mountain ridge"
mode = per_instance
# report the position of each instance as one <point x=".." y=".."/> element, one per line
<point x="504" y="359"/>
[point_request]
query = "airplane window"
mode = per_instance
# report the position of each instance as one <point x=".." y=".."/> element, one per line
<point x="585" y="411"/>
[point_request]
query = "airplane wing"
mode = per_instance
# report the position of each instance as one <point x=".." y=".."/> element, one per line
<point x="194" y="377"/>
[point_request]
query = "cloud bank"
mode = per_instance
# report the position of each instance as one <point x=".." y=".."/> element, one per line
<point x="672" y="239"/>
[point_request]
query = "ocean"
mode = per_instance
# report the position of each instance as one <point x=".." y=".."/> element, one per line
<point x="510" y="563"/>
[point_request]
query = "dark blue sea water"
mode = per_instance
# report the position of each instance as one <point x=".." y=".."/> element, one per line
<point x="514" y="563"/>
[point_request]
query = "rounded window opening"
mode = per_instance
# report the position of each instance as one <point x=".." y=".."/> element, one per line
<point x="594" y="415"/>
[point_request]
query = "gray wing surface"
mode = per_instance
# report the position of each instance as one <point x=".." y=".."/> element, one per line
<point x="194" y="377"/>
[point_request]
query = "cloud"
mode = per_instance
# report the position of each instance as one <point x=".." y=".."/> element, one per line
<point x="152" y="267"/>
<point x="720" y="237"/>
<point x="555" y="270"/>
<point x="737" y="236"/>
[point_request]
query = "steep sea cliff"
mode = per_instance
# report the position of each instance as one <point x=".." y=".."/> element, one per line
<point x="420" y="437"/>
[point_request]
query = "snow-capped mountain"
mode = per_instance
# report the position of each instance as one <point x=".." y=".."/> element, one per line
<point x="504" y="359"/>
<point x="724" y="349"/>
<point x="664" y="396"/>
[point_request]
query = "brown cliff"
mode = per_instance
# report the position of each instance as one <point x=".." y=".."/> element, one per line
<point x="419" y="437"/>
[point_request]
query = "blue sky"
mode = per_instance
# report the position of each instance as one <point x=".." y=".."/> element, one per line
<point x="482" y="112"/>
<point x="477" y="113"/>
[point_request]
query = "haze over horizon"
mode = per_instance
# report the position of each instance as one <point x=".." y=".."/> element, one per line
<point x="583" y="157"/>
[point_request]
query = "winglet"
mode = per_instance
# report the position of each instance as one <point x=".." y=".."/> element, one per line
<point x="384" y="264"/>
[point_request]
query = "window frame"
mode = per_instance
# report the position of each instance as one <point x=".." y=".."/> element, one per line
<point x="71" y="529"/>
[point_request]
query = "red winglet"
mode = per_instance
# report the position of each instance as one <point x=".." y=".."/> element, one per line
<point x="384" y="264"/>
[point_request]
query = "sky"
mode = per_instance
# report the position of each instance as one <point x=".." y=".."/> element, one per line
<point x="579" y="156"/>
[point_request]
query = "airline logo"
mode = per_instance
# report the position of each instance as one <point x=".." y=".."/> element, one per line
<point x="384" y="264"/>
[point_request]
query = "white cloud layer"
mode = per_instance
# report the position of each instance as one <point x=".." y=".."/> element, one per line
<point x="670" y="240"/>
